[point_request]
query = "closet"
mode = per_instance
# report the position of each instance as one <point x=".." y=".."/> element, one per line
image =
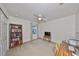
<point x="3" y="32"/>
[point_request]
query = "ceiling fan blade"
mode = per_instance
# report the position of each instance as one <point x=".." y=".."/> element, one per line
<point x="40" y="18"/>
<point x="44" y="19"/>
<point x="36" y="15"/>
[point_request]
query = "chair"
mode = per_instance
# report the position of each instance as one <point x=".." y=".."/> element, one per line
<point x="62" y="50"/>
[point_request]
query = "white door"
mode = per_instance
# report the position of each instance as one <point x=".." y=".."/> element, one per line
<point x="34" y="31"/>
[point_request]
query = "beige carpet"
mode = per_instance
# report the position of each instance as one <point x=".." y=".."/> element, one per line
<point x="35" y="48"/>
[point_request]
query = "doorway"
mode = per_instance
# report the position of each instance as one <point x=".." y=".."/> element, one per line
<point x="34" y="29"/>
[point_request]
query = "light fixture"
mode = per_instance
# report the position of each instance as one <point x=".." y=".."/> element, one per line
<point x="39" y="19"/>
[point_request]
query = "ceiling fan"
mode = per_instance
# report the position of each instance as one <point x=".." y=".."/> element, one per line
<point x="40" y="18"/>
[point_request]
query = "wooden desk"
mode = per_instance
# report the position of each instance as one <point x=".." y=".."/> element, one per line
<point x="48" y="38"/>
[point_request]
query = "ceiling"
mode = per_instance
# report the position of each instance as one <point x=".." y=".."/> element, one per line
<point x="50" y="10"/>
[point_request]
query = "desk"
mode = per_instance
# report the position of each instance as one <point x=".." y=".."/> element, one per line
<point x="48" y="38"/>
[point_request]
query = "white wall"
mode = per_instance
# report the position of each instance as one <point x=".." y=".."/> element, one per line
<point x="61" y="29"/>
<point x="3" y="40"/>
<point x="26" y="27"/>
<point x="77" y="26"/>
<point x="77" y="22"/>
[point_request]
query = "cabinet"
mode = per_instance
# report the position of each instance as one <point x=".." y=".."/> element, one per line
<point x="15" y="35"/>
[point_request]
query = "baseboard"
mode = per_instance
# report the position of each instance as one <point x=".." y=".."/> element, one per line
<point x="50" y="41"/>
<point x="29" y="41"/>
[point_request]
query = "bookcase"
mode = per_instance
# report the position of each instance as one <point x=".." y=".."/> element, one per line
<point x="15" y="35"/>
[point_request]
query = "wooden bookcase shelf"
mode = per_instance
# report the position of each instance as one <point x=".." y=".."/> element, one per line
<point x="15" y="35"/>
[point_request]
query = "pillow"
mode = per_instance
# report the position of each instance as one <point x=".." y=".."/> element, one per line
<point x="71" y="48"/>
<point x="73" y="42"/>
